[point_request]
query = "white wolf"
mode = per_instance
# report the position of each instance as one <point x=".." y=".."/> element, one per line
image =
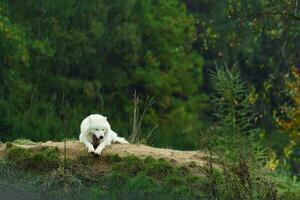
<point x="95" y="132"/>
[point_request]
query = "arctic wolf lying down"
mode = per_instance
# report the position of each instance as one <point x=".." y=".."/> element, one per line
<point x="95" y="132"/>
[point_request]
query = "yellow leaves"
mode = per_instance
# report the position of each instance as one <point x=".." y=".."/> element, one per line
<point x="291" y="125"/>
<point x="253" y="95"/>
<point x="284" y="124"/>
<point x="252" y="98"/>
<point x="273" y="162"/>
<point x="295" y="73"/>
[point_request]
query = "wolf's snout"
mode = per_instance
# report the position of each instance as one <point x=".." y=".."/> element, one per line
<point x="101" y="137"/>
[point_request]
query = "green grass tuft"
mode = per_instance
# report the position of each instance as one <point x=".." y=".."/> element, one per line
<point x="23" y="141"/>
<point x="60" y="184"/>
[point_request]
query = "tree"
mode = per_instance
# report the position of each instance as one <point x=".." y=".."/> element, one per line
<point x="262" y="36"/>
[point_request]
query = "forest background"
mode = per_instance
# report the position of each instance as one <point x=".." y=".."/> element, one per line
<point x="62" y="60"/>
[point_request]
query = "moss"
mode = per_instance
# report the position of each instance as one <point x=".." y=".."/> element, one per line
<point x="132" y="165"/>
<point x="45" y="159"/>
<point x="23" y="141"/>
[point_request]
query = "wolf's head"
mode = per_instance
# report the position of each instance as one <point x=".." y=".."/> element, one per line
<point x="99" y="126"/>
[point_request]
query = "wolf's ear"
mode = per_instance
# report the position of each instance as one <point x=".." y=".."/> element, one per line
<point x="105" y="118"/>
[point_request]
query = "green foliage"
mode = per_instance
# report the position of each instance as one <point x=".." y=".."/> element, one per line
<point x="232" y="102"/>
<point x="262" y="36"/>
<point x="235" y="133"/>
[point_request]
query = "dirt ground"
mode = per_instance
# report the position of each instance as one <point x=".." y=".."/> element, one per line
<point x="75" y="148"/>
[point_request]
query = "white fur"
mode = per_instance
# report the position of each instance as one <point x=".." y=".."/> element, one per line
<point x="98" y="125"/>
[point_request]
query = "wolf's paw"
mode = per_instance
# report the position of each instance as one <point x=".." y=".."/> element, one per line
<point x="98" y="151"/>
<point x="91" y="150"/>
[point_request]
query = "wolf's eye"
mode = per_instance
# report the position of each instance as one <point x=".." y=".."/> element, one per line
<point x="96" y="129"/>
<point x="103" y="129"/>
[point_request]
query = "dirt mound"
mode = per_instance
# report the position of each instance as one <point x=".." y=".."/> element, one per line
<point x="76" y="148"/>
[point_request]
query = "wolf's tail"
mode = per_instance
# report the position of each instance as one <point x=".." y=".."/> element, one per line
<point x="81" y="137"/>
<point x="121" y="140"/>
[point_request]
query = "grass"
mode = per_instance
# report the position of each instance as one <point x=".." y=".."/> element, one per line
<point x="60" y="184"/>
<point x="41" y="174"/>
